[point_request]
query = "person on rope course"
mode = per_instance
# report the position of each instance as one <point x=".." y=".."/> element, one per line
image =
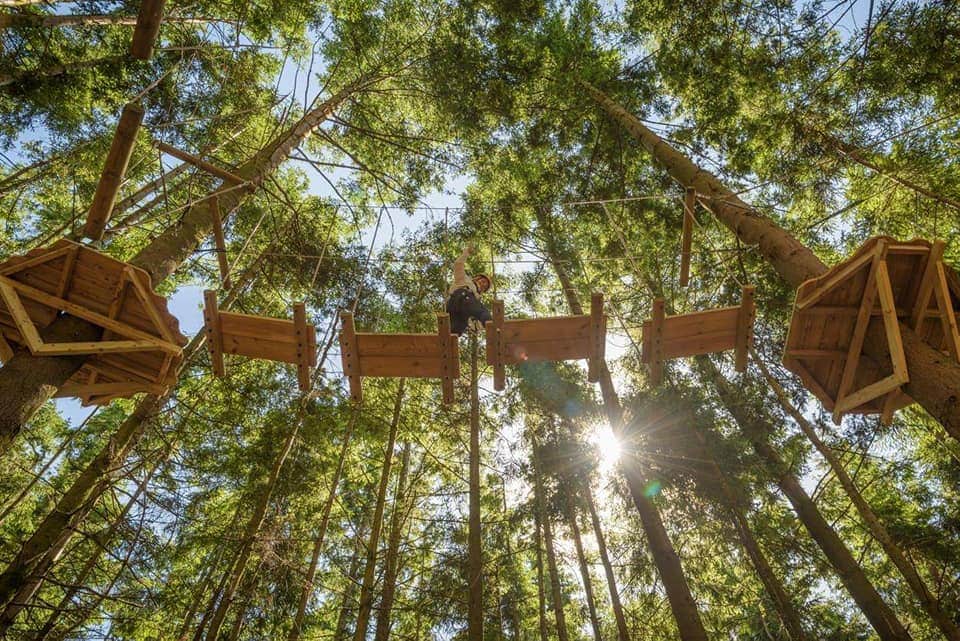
<point x="463" y="301"/>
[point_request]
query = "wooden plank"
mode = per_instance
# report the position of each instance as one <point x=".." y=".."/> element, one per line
<point x="211" y="322"/>
<point x="199" y="163"/>
<point x="303" y="359"/>
<point x="122" y="389"/>
<point x="834" y="278"/>
<point x="114" y="168"/>
<point x="867" y="394"/>
<point x="745" y="319"/>
<point x="927" y="283"/>
<point x="697" y="345"/>
<point x="810" y="381"/>
<point x="28" y="332"/>
<point x="147" y="29"/>
<point x="145" y="295"/>
<point x="350" y="356"/>
<point x="80" y="311"/>
<point x="686" y="238"/>
<point x="275" y="329"/>
<point x="814" y="354"/>
<point x="656" y="342"/>
<point x="558" y="327"/>
<point x="66" y="277"/>
<point x="598" y="337"/>
<point x="889" y="407"/>
<point x="261" y="348"/>
<point x="401" y="367"/>
<point x="947" y="316"/>
<point x="546" y="351"/>
<point x="94" y="347"/>
<point x="878" y="257"/>
<point x="220" y="242"/>
<point x="398" y="344"/>
<point x="499" y="348"/>
<point x="15" y="265"/>
<point x="891" y="326"/>
<point x="448" y="375"/>
<point x="710" y="321"/>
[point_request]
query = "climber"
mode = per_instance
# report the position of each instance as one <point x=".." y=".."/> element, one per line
<point x="463" y="302"/>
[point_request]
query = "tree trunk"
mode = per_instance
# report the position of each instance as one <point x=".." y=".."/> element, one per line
<point x="757" y="429"/>
<point x="392" y="563"/>
<point x="252" y="530"/>
<point x="54" y="70"/>
<point x="517" y="591"/>
<point x="927" y="601"/>
<point x="353" y="579"/>
<point x="585" y="575"/>
<point x="27" y="381"/>
<point x="541" y="596"/>
<point x="297" y="628"/>
<point x="934" y="377"/>
<point x="555" y="590"/>
<point x="682" y="603"/>
<point x="623" y="633"/>
<point x="46" y="20"/>
<point x="370" y="569"/>
<point x="474" y="541"/>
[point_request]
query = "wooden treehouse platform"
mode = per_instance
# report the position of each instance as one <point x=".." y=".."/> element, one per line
<point x="399" y="356"/>
<point x="716" y="330"/>
<point x="273" y="339"/>
<point x="886" y="281"/>
<point x="534" y="340"/>
<point x="141" y="346"/>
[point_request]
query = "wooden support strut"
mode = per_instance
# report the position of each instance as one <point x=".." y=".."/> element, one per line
<point x="199" y="163"/>
<point x="598" y="337"/>
<point x="350" y="353"/>
<point x="656" y="342"/>
<point x="686" y="239"/>
<point x="745" y="319"/>
<point x="211" y="320"/>
<point x="147" y="29"/>
<point x="114" y="169"/>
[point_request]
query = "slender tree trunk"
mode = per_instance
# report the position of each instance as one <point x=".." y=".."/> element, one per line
<point x="757" y="428"/>
<point x="27" y="381"/>
<point x="392" y="563"/>
<point x="934" y="377"/>
<point x="585" y="575"/>
<point x="74" y="20"/>
<point x="297" y="628"/>
<point x="474" y="540"/>
<point x="907" y="570"/>
<point x="541" y="580"/>
<point x="555" y="589"/>
<point x="514" y="603"/>
<point x="252" y="530"/>
<point x="623" y="633"/>
<point x="353" y="580"/>
<point x="56" y="70"/>
<point x="682" y="603"/>
<point x="370" y="569"/>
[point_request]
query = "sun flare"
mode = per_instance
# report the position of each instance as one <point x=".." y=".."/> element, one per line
<point x="608" y="446"/>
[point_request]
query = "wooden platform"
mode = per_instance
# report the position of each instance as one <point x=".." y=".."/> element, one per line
<point x="273" y="339"/>
<point x="399" y="356"/>
<point x="534" y="340"/>
<point x="886" y="281"/>
<point x="141" y="346"/>
<point x="716" y="330"/>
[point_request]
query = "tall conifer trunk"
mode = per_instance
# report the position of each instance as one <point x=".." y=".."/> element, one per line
<point x="556" y="594"/>
<point x="623" y="633"/>
<point x="392" y="562"/>
<point x="585" y="574"/>
<point x="541" y="579"/>
<point x="934" y="377"/>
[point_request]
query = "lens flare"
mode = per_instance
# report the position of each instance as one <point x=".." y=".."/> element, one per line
<point x="608" y="445"/>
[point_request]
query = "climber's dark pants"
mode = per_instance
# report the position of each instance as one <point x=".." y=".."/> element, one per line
<point x="462" y="306"/>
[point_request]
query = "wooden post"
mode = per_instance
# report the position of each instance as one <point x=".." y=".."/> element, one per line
<point x="499" y="370"/>
<point x="199" y="163"/>
<point x="656" y="342"/>
<point x="114" y="169"/>
<point x="598" y="337"/>
<point x="350" y="356"/>
<point x="303" y="346"/>
<point x="447" y="345"/>
<point x="745" y="320"/>
<point x="147" y="29"/>
<point x="220" y="241"/>
<point x="686" y="239"/>
<point x="927" y="284"/>
<point x="948" y="318"/>
<point x="211" y="321"/>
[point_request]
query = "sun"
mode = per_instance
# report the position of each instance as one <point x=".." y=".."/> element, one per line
<point x="608" y="446"/>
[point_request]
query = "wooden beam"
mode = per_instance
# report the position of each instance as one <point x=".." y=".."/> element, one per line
<point x="877" y="257"/>
<point x="124" y="140"/>
<point x="28" y="332"/>
<point x="686" y="238"/>
<point x="890" y="324"/>
<point x="350" y="356"/>
<point x="833" y="280"/>
<point x="121" y="389"/>
<point x="448" y="342"/>
<point x="745" y="320"/>
<point x="6" y="352"/>
<point x="948" y="318"/>
<point x="927" y="284"/>
<point x="199" y="163"/>
<point x="867" y="394"/>
<point x="66" y="276"/>
<point x="656" y="342"/>
<point x="211" y="323"/>
<point x="301" y="332"/>
<point x="598" y="337"/>
<point x="145" y="33"/>
<point x="220" y="241"/>
<point x="145" y="296"/>
<point x="499" y="370"/>
<point x="94" y="347"/>
<point x="50" y="255"/>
